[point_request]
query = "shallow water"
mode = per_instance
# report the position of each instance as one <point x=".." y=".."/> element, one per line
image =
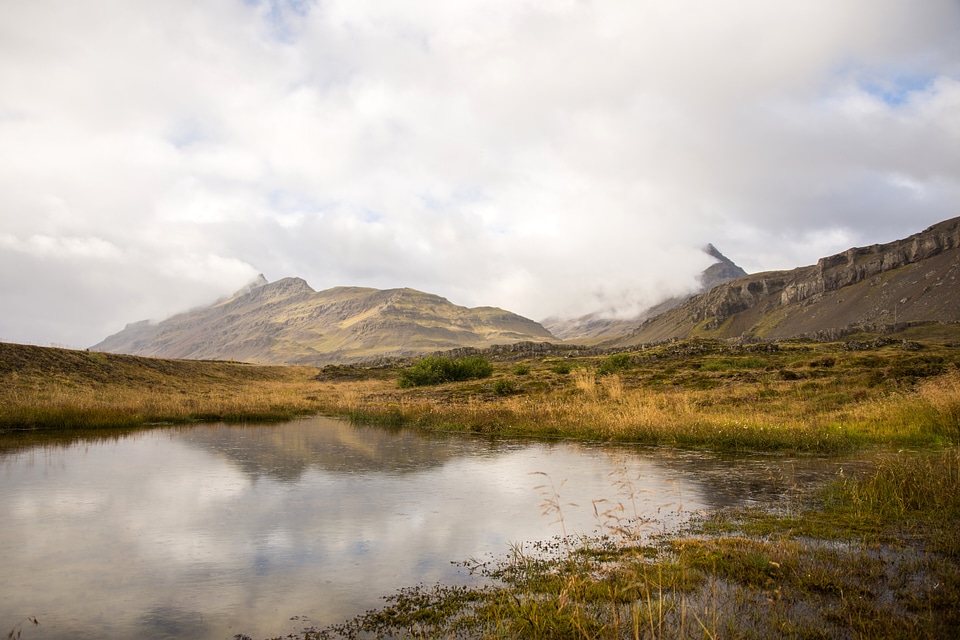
<point x="211" y="531"/>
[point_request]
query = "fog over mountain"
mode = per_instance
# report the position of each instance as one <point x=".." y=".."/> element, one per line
<point x="611" y="323"/>
<point x="550" y="158"/>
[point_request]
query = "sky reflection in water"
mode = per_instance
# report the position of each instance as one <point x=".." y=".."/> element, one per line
<point x="209" y="531"/>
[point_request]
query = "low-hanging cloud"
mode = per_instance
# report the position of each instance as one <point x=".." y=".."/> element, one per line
<point x="548" y="158"/>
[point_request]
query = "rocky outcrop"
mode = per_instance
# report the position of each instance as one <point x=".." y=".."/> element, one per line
<point x="870" y="286"/>
<point x="857" y="264"/>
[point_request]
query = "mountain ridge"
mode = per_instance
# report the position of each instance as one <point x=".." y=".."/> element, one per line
<point x="873" y="288"/>
<point x="880" y="288"/>
<point x="288" y="322"/>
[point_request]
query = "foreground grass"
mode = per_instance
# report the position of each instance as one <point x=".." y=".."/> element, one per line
<point x="870" y="557"/>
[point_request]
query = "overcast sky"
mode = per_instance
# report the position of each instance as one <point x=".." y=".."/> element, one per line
<point x="550" y="157"/>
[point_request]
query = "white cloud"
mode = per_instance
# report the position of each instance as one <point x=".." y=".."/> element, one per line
<point x="542" y="157"/>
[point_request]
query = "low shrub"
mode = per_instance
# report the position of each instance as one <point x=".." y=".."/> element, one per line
<point x="504" y="387"/>
<point x="615" y="363"/>
<point x="439" y="369"/>
<point x="562" y="368"/>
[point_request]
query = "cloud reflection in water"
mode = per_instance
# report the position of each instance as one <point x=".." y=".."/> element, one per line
<point x="235" y="529"/>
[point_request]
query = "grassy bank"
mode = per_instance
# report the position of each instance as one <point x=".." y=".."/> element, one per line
<point x="806" y="397"/>
<point x="871" y="557"/>
<point x="802" y="397"/>
<point x="45" y="388"/>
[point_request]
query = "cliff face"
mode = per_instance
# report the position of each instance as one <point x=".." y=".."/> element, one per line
<point x="287" y="322"/>
<point x="858" y="264"/>
<point x="869" y="287"/>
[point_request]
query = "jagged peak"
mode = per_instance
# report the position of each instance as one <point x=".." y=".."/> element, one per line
<point x="259" y="287"/>
<point x="723" y="270"/>
<point x="253" y="285"/>
<point x="712" y="251"/>
<point x="289" y="285"/>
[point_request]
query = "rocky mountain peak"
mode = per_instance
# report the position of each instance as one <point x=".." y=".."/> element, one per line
<point x="719" y="272"/>
<point x="256" y="283"/>
<point x="290" y="285"/>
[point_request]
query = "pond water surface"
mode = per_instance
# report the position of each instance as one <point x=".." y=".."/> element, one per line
<point x="214" y="530"/>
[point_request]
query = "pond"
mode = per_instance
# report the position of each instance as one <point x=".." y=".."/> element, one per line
<point x="213" y="530"/>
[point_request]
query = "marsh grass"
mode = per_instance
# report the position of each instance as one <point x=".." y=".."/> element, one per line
<point x="68" y="406"/>
<point x="894" y="579"/>
<point x="17" y="629"/>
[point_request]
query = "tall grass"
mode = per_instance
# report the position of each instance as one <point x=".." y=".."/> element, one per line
<point x="902" y="488"/>
<point x="776" y="416"/>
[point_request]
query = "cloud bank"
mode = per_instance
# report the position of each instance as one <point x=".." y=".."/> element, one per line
<point x="551" y="158"/>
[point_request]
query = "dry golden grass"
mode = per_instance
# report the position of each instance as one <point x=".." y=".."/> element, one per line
<point x="42" y="388"/>
<point x="750" y="408"/>
<point x="808" y="398"/>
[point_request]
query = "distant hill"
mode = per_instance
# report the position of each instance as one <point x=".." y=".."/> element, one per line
<point x="596" y="327"/>
<point x="287" y="322"/>
<point x="880" y="288"/>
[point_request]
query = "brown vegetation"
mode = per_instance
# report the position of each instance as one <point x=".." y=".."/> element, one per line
<point x="795" y="396"/>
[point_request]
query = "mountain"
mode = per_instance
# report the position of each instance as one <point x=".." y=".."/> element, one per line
<point x="595" y="327"/>
<point x="881" y="288"/>
<point x="287" y="322"/>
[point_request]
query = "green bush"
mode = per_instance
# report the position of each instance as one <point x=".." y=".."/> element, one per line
<point x="563" y="368"/>
<point x="521" y="369"/>
<point x="504" y="387"/>
<point x="613" y="364"/>
<point x="440" y="369"/>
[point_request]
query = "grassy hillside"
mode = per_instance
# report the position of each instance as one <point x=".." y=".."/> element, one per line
<point x="43" y="387"/>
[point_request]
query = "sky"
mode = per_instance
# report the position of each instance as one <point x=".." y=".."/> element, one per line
<point x="550" y="157"/>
